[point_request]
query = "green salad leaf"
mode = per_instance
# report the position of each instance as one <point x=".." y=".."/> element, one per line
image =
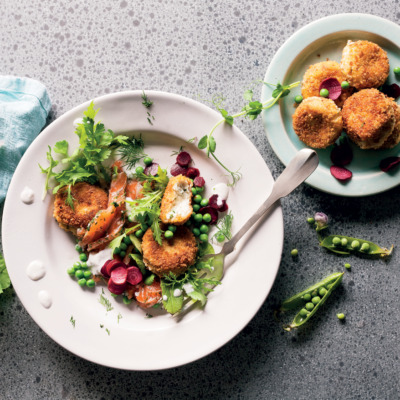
<point x="5" y="281"/>
<point x="172" y="304"/>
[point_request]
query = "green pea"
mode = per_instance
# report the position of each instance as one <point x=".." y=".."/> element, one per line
<point x="396" y="70"/>
<point x="309" y="306"/>
<point x="78" y="248"/>
<point x="197" y="198"/>
<point x="314" y="293"/>
<point x="126" y="301"/>
<point x="131" y="219"/>
<point x="345" y="85"/>
<point x="117" y="250"/>
<point x="90" y="283"/>
<point x="355" y="244"/>
<point x="324" y="92"/>
<point x="298" y="99"/>
<point x="316" y="300"/>
<point x="168" y="234"/>
<point x="204" y="228"/>
<point x="307" y="297"/>
<point x="83" y="257"/>
<point x="200" y="189"/>
<point x="310" y="220"/>
<point x="77" y="265"/>
<point x="122" y="254"/>
<point x="123" y="246"/>
<point x="204" y="203"/>
<point x="139" y="170"/>
<point x="127" y="240"/>
<point x="336" y="241"/>
<point x="220" y="237"/>
<point x="172" y="228"/>
<point x="148" y="160"/>
<point x="329" y="286"/>
<point x="79" y="274"/>
<point x="84" y="265"/>
<point x="365" y="247"/>
<point x="87" y="274"/>
<point x="207" y="217"/>
<point x="303" y="312"/>
<point x="82" y="282"/>
<point x="341" y="316"/>
<point x="196" y="207"/>
<point x="139" y="233"/>
<point x="322" y="292"/>
<point x="203" y="237"/>
<point x="71" y="271"/>
<point x="196" y="232"/>
<point x="294" y="253"/>
<point x="198" y="218"/>
<point x="194" y="191"/>
<point x="344" y="242"/>
<point x="188" y="223"/>
<point x="114" y="295"/>
<point x="347" y="266"/>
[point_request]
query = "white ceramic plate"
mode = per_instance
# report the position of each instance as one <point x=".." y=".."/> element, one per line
<point x="135" y="342"/>
<point x="316" y="42"/>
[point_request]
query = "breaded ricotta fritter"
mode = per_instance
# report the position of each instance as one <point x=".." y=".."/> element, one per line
<point x="317" y="73"/>
<point x="368" y="118"/>
<point x="317" y="122"/>
<point x="174" y="255"/>
<point x="394" y="138"/>
<point x="88" y="200"/>
<point x="176" y="204"/>
<point x="365" y="64"/>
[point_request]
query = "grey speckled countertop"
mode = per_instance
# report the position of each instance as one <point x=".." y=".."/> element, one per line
<point x="81" y="50"/>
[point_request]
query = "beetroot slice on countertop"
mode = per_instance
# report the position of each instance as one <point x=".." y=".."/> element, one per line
<point x="183" y="158"/>
<point x="176" y="170"/>
<point x="340" y="173"/>
<point x="342" y="154"/>
<point x="212" y="211"/>
<point x="199" y="181"/>
<point x="151" y="169"/>
<point x="116" y="289"/>
<point x="192" y="173"/>
<point x="134" y="275"/>
<point x="333" y="86"/>
<point x="218" y="204"/>
<point x="388" y="163"/>
<point x="119" y="275"/>
<point x="112" y="265"/>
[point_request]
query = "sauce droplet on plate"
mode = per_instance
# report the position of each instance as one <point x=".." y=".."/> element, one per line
<point x="45" y="299"/>
<point x="27" y="195"/>
<point x="36" y="270"/>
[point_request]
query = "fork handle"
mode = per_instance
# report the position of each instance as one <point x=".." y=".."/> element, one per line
<point x="297" y="171"/>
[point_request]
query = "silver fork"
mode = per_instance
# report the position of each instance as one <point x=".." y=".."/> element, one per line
<point x="297" y="171"/>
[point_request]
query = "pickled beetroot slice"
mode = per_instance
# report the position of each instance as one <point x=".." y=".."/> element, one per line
<point x="183" y="158"/>
<point x="217" y="203"/>
<point x="212" y="211"/>
<point x="104" y="269"/>
<point x="134" y="275"/>
<point x="334" y="87"/>
<point x="342" y="154"/>
<point x="151" y="169"/>
<point x="116" y="289"/>
<point x="192" y="173"/>
<point x="392" y="90"/>
<point x="119" y="275"/>
<point x="388" y="163"/>
<point x="340" y="173"/>
<point x="176" y="170"/>
<point x="112" y="265"/>
<point x="199" y="181"/>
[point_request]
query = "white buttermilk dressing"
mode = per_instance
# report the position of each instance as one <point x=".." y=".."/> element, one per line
<point x="222" y="191"/>
<point x="165" y="297"/>
<point x="97" y="260"/>
<point x="128" y="205"/>
<point x="27" y="195"/>
<point x="177" y="292"/>
<point x="188" y="288"/>
<point x="130" y="173"/>
<point x="181" y="205"/>
<point x="45" y="299"/>
<point x="36" y="270"/>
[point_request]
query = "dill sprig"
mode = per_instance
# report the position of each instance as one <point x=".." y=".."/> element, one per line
<point x="105" y="302"/>
<point x="131" y="152"/>
<point x="224" y="227"/>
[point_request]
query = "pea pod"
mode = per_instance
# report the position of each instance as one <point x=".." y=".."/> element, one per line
<point x="353" y="245"/>
<point x="331" y="282"/>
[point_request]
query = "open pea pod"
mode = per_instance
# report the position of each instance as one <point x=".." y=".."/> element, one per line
<point x="298" y="300"/>
<point x="349" y="245"/>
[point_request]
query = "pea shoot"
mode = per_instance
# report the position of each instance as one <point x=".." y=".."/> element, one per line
<point x="294" y="253"/>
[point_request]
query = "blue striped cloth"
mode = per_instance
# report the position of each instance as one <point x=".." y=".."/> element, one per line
<point x="24" y="107"/>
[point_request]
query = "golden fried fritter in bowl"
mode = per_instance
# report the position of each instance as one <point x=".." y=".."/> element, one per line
<point x="317" y="122"/>
<point x="176" y="204"/>
<point x="174" y="255"/>
<point x="365" y="64"/>
<point x="317" y="73"/>
<point x="88" y="200"/>
<point x="394" y="138"/>
<point x="368" y="118"/>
